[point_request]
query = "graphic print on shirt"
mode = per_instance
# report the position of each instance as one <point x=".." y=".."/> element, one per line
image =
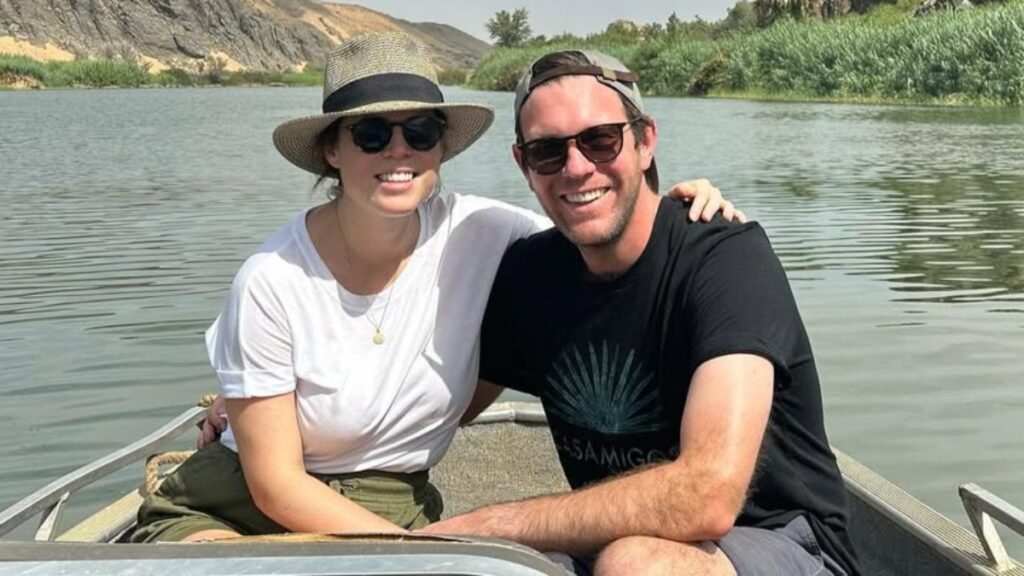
<point x="610" y="392"/>
<point x="605" y="412"/>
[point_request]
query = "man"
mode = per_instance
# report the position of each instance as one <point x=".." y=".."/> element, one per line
<point x="670" y="357"/>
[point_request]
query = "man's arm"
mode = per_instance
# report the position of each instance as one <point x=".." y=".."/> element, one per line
<point x="694" y="498"/>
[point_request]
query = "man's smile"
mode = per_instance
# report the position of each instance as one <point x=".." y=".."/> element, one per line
<point x="586" y="197"/>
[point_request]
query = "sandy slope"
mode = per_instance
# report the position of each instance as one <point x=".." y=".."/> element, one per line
<point x="336" y="22"/>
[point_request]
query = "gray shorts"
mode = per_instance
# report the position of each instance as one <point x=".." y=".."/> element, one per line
<point x="788" y="551"/>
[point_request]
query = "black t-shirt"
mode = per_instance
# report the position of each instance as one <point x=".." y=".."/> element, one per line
<point x="612" y="360"/>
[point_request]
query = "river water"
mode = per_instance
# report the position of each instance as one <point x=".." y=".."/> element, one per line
<point x="125" y="213"/>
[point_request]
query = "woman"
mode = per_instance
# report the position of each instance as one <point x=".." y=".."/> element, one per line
<point x="347" y="348"/>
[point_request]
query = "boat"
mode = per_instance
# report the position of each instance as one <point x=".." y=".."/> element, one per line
<point x="506" y="453"/>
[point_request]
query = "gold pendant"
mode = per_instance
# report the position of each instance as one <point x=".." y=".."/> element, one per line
<point x="378" y="338"/>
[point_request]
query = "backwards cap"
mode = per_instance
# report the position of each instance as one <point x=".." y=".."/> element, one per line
<point x="607" y="69"/>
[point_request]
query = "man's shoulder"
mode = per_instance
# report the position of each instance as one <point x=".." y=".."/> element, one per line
<point x="464" y="206"/>
<point x="673" y="213"/>
<point x="546" y="248"/>
<point x="694" y="240"/>
<point x="533" y="265"/>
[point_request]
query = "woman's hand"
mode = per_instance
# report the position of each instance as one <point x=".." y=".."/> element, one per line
<point x="216" y="422"/>
<point x="266" y="430"/>
<point x="705" y="201"/>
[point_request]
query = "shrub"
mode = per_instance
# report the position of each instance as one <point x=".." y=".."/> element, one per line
<point x="962" y="56"/>
<point x="173" y="77"/>
<point x="11" y="65"/>
<point x="96" y="73"/>
<point x="453" y="76"/>
<point x="501" y="68"/>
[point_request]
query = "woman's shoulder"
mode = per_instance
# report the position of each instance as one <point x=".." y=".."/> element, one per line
<point x="468" y="204"/>
<point x="277" y="259"/>
<point x="492" y="212"/>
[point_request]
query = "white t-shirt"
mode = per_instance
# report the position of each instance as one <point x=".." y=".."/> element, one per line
<point x="288" y="325"/>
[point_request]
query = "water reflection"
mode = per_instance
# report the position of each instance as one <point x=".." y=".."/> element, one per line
<point x="931" y="200"/>
<point x="127" y="212"/>
<point x="962" y="238"/>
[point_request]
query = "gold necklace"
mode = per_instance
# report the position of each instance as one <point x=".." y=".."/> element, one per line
<point x="378" y="336"/>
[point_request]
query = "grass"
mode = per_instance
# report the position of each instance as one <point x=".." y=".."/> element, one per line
<point x="453" y="76"/>
<point x="21" y="66"/>
<point x="962" y="57"/>
<point x="100" y="73"/>
<point x="501" y="68"/>
<point x="971" y="56"/>
<point x="95" y="73"/>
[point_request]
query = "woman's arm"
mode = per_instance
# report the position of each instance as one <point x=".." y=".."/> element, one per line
<point x="486" y="393"/>
<point x="270" y="447"/>
<point x="705" y="201"/>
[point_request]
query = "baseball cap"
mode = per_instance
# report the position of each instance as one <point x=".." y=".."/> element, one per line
<point x="608" y="70"/>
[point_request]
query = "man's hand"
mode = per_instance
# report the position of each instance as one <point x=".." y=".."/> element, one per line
<point x="498" y="521"/>
<point x="215" y="423"/>
<point x="706" y="201"/>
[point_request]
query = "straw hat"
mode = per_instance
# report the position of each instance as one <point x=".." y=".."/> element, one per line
<point x="373" y="74"/>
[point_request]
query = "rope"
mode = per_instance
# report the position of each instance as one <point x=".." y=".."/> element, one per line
<point x="154" y="462"/>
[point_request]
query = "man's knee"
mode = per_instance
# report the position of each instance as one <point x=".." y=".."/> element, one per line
<point x="644" y="555"/>
<point x="628" y="555"/>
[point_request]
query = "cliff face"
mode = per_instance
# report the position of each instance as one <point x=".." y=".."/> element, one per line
<point x="252" y="34"/>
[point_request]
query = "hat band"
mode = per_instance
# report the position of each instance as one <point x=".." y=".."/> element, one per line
<point x="383" y="88"/>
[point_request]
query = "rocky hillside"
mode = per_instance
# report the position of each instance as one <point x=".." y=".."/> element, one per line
<point x="249" y="34"/>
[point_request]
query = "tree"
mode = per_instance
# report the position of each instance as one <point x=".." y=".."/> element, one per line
<point x="741" y="17"/>
<point x="768" y="11"/>
<point x="622" y="31"/>
<point x="652" y="31"/>
<point x="674" y="25"/>
<point x="509" y="29"/>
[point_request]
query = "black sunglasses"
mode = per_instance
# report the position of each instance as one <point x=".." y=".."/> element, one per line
<point x="420" y="132"/>
<point x="599" y="144"/>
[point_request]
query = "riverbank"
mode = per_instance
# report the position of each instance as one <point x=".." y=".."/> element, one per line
<point x="960" y="57"/>
<point x="964" y="57"/>
<point x="21" y="72"/>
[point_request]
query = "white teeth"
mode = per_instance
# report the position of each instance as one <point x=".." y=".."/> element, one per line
<point x="396" y="177"/>
<point x="586" y="196"/>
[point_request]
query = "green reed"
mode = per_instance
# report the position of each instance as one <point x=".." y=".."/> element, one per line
<point x="954" y="57"/>
<point x="173" y="77"/>
<point x="99" y="73"/>
<point x="972" y="56"/>
<point x="19" y="66"/>
<point x="453" y="76"/>
<point x="125" y="73"/>
<point x="91" y="73"/>
<point x="501" y="68"/>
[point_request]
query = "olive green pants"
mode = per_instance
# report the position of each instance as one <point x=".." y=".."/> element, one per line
<point x="208" y="492"/>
